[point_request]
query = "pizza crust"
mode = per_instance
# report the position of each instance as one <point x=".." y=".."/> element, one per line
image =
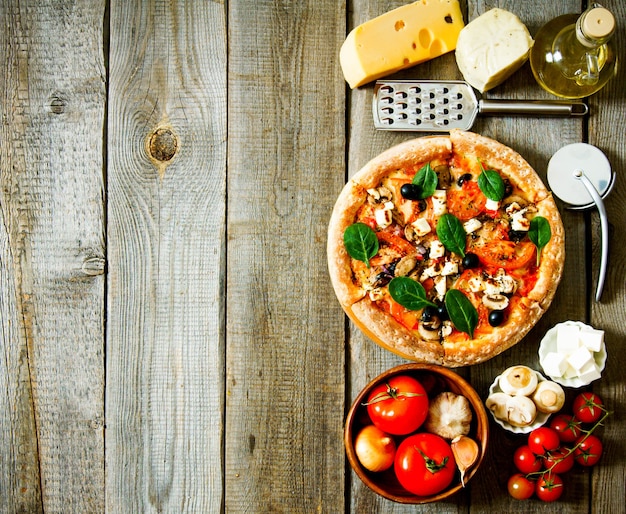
<point x="380" y="325"/>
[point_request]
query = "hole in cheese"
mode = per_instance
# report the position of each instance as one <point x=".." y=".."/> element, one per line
<point x="425" y="38"/>
<point x="399" y="25"/>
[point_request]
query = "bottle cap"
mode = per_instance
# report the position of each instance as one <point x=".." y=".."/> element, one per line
<point x="598" y="23"/>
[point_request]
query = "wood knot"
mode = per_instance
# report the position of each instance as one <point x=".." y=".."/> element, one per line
<point x="163" y="145"/>
<point x="58" y="105"/>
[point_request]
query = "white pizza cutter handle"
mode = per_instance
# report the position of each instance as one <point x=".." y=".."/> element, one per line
<point x="604" y="225"/>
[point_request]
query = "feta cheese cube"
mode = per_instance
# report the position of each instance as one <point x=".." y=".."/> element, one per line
<point x="567" y="339"/>
<point x="570" y="372"/>
<point x="590" y="373"/>
<point x="383" y="217"/>
<point x="580" y="358"/>
<point x="439" y="199"/>
<point x="449" y="268"/>
<point x="437" y="249"/>
<point x="440" y="287"/>
<point x="492" y="205"/>
<point x="554" y="364"/>
<point x="422" y="227"/>
<point x="475" y="284"/>
<point x="472" y="225"/>
<point x="520" y="223"/>
<point x="592" y="339"/>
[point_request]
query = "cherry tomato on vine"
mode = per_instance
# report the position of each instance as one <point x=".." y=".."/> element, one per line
<point x="424" y="464"/>
<point x="589" y="450"/>
<point x="520" y="487"/>
<point x="567" y="426"/>
<point x="526" y="461"/>
<point x="588" y="407"/>
<point x="549" y="487"/>
<point x="559" y="461"/>
<point x="398" y="406"/>
<point x="543" y="440"/>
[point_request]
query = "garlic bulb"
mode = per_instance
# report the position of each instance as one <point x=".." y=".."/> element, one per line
<point x="449" y="415"/>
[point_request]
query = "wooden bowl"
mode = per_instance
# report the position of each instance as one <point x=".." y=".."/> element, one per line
<point x="435" y="379"/>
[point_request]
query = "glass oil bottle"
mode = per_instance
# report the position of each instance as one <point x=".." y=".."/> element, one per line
<point x="574" y="55"/>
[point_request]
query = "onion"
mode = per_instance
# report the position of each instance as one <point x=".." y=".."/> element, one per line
<point x="375" y="449"/>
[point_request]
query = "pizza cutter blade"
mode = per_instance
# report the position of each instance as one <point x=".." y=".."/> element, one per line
<point x="441" y="105"/>
<point x="580" y="175"/>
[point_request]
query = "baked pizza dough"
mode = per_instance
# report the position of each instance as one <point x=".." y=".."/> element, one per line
<point x="409" y="205"/>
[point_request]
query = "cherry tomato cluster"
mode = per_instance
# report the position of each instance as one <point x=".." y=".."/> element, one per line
<point x="423" y="462"/>
<point x="551" y="451"/>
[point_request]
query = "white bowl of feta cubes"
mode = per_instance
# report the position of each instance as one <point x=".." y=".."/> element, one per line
<point x="573" y="354"/>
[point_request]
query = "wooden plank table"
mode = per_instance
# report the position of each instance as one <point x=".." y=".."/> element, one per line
<point x="170" y="340"/>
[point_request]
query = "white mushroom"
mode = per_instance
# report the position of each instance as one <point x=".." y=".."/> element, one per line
<point x="496" y="403"/>
<point x="549" y="397"/>
<point x="520" y="411"/>
<point x="518" y="380"/>
<point x="430" y="330"/>
<point x="496" y="302"/>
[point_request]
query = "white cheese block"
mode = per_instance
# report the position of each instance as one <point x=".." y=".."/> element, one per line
<point x="492" y="205"/>
<point x="439" y="199"/>
<point x="472" y="225"/>
<point x="589" y="373"/>
<point x="422" y="227"/>
<point x="491" y="48"/>
<point x="580" y="358"/>
<point x="437" y="249"/>
<point x="554" y="364"/>
<point x="567" y="339"/>
<point x="592" y="339"/>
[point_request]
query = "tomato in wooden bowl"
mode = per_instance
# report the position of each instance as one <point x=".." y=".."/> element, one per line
<point x="391" y="443"/>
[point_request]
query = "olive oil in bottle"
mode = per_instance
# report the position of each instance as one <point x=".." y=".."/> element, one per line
<point x="573" y="55"/>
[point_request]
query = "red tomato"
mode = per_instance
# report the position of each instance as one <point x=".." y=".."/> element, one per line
<point x="589" y="450"/>
<point x="424" y="464"/>
<point x="559" y="461"/>
<point x="588" y="407"/>
<point x="543" y="440"/>
<point x="520" y="487"/>
<point x="567" y="426"/>
<point x="549" y="487"/>
<point x="467" y="202"/>
<point x="508" y="255"/>
<point x="526" y="461"/>
<point x="398" y="406"/>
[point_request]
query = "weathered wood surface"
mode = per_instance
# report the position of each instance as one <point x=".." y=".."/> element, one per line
<point x="170" y="340"/>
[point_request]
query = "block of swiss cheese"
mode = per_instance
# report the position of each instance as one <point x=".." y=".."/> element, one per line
<point x="401" y="38"/>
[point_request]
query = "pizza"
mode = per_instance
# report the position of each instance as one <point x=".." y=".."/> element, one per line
<point x="446" y="249"/>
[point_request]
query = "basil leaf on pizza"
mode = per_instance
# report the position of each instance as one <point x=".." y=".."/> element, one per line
<point x="540" y="234"/>
<point x="491" y="184"/>
<point x="451" y="233"/>
<point x="426" y="179"/>
<point x="462" y="312"/>
<point x="360" y="242"/>
<point x="409" y="293"/>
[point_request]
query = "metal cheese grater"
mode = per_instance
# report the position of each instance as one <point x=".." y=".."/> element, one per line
<point x="438" y="106"/>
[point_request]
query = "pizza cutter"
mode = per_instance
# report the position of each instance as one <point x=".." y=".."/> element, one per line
<point x="580" y="175"/>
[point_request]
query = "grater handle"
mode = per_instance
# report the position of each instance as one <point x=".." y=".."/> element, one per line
<point x="532" y="107"/>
